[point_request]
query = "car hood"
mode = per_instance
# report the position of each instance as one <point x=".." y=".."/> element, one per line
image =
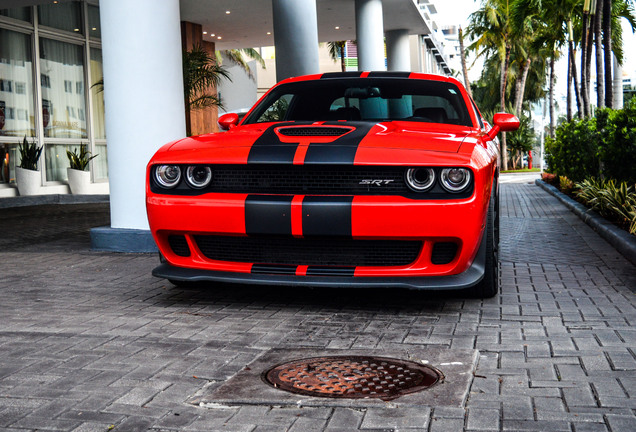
<point x="325" y="142"/>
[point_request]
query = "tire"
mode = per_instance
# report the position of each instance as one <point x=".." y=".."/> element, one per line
<point x="489" y="286"/>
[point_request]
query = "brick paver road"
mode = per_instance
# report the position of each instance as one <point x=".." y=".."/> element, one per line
<point x="92" y="342"/>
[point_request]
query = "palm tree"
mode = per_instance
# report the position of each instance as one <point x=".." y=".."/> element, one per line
<point x="490" y="27"/>
<point x="237" y="57"/>
<point x="337" y="51"/>
<point x="201" y="73"/>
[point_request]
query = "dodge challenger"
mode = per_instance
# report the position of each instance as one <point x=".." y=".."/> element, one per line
<point x="354" y="179"/>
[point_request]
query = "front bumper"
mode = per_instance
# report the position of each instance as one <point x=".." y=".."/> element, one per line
<point x="472" y="276"/>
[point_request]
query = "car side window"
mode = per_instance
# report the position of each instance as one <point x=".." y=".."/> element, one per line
<point x="277" y="111"/>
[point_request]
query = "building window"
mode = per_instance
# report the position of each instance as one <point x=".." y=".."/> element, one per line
<point x="5" y="85"/>
<point x="79" y="87"/>
<point x="17" y="74"/>
<point x="65" y="63"/>
<point x="19" y="13"/>
<point x="45" y="81"/>
<point x="62" y="15"/>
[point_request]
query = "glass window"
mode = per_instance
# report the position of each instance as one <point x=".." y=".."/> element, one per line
<point x="63" y="15"/>
<point x="97" y="91"/>
<point x="16" y="67"/>
<point x="94" y="30"/>
<point x="56" y="161"/>
<point x="370" y="99"/>
<point x="19" y="13"/>
<point x="62" y="63"/>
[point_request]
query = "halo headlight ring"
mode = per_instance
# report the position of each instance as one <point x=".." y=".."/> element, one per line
<point x="198" y="176"/>
<point x="455" y="180"/>
<point x="420" y="179"/>
<point x="168" y="176"/>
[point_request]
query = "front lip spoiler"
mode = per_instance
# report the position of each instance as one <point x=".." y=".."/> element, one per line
<point x="467" y="279"/>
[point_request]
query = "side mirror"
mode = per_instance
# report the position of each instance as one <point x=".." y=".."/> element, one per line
<point x="228" y="121"/>
<point x="503" y="122"/>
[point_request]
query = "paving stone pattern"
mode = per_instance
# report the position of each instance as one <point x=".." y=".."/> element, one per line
<point x="92" y="342"/>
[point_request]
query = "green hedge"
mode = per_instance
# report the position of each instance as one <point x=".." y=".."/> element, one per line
<point x="604" y="146"/>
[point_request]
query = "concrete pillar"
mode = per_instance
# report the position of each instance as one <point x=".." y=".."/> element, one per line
<point x="370" y="35"/>
<point x="143" y="92"/>
<point x="398" y="50"/>
<point x="295" y="38"/>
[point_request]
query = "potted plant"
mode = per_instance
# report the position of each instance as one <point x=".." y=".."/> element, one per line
<point x="78" y="178"/>
<point x="27" y="176"/>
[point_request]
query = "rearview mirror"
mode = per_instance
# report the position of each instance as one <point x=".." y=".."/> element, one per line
<point x="503" y="122"/>
<point x="228" y="121"/>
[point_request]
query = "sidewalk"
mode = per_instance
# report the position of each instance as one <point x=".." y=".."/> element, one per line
<point x="90" y="341"/>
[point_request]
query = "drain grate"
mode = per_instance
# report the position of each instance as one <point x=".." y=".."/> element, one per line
<point x="352" y="377"/>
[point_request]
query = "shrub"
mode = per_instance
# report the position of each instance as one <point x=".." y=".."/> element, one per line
<point x="617" y="149"/>
<point x="617" y="202"/>
<point x="573" y="151"/>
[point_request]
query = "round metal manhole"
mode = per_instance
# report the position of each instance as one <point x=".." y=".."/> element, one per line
<point x="352" y="377"/>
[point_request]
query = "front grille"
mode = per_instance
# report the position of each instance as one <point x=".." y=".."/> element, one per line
<point x="314" y="131"/>
<point x="309" y="251"/>
<point x="308" y="180"/>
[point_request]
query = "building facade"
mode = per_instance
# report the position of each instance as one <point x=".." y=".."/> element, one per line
<point x="51" y="90"/>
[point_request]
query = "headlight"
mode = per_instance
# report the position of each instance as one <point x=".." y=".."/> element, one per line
<point x="455" y="179"/>
<point x="168" y="176"/>
<point x="198" y="176"/>
<point x="420" y="179"/>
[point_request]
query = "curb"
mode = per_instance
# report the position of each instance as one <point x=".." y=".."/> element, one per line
<point x="26" y="201"/>
<point x="621" y="240"/>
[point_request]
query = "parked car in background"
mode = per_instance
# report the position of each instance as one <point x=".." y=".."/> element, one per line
<point x="356" y="179"/>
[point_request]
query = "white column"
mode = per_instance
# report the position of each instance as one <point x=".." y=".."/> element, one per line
<point x="295" y="38"/>
<point x="143" y="92"/>
<point x="370" y="35"/>
<point x="398" y="50"/>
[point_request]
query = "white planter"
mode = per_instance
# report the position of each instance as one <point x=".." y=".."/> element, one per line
<point x="29" y="182"/>
<point x="78" y="181"/>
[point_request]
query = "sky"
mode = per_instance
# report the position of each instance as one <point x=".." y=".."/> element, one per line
<point x="456" y="12"/>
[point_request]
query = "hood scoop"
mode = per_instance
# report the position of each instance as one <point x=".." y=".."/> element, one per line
<point x="314" y="131"/>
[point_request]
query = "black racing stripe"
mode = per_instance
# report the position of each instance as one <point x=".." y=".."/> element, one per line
<point x="268" y="214"/>
<point x="268" y="148"/>
<point x="274" y="269"/>
<point x="327" y="216"/>
<point x="331" y="271"/>
<point x="380" y="74"/>
<point x="330" y="75"/>
<point x="341" y="151"/>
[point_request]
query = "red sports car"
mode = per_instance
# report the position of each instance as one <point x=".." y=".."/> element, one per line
<point x="356" y="179"/>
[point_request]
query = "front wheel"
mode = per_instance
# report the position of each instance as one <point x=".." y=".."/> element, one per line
<point x="489" y="286"/>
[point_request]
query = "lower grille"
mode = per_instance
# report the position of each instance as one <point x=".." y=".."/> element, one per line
<point x="179" y="245"/>
<point x="309" y="251"/>
<point x="443" y="252"/>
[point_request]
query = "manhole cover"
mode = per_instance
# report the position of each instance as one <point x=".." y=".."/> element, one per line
<point x="352" y="377"/>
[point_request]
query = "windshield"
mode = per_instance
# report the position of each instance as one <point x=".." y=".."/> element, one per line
<point x="364" y="99"/>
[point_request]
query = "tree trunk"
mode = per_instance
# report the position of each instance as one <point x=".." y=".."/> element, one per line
<point x="568" y="97"/>
<point x="521" y="87"/>
<point x="551" y="95"/>
<point x="607" y="52"/>
<point x="577" y="93"/>
<point x="583" y="92"/>
<point x="589" y="45"/>
<point x="462" y="54"/>
<point x="502" y="89"/>
<point x="598" y="48"/>
<point x="343" y="65"/>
